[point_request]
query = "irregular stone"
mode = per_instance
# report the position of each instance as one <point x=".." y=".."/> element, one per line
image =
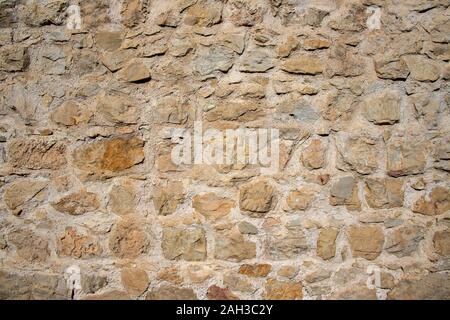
<point x="233" y="247"/>
<point x="246" y="13"/>
<point x="171" y="274"/>
<point x="116" y="60"/>
<point x="13" y="58"/>
<point x="215" y="58"/>
<point x="217" y="293"/>
<point x="283" y="290"/>
<point x="204" y="13"/>
<point x="366" y="241"/>
<point x="212" y="206"/>
<point x="186" y="244"/>
<point x="72" y="244"/>
<point x="441" y="242"/>
<point x="166" y="198"/>
<point x="405" y="157"/>
<point x="433" y="286"/>
<point x="256" y="61"/>
<point x="235" y="110"/>
<point x="170" y="292"/>
<point x="357" y="152"/>
<point x="135" y="71"/>
<point x="70" y="113"/>
<point x="383" y="107"/>
<point x="357" y="291"/>
<point x="77" y="203"/>
<point x="345" y="192"/>
<point x="300" y="199"/>
<point x="91" y="283"/>
<point x="255" y="270"/>
<point x="351" y="18"/>
<point x="237" y="283"/>
<point x="286" y="243"/>
<point x="128" y="239"/>
<point x="403" y="241"/>
<point x="303" y="64"/>
<point x="134" y="280"/>
<point x="257" y="198"/>
<point x="422" y="69"/>
<point x="285" y="49"/>
<point x="384" y="193"/>
<point x="40" y="13"/>
<point x="109" y="40"/>
<point x="123" y="198"/>
<point x="36" y="154"/>
<point x="313" y="156"/>
<point x="20" y="191"/>
<point x="394" y="70"/>
<point x="104" y="157"/>
<point x="35" y="286"/>
<point x="326" y="243"/>
<point x="288" y="271"/>
<point x="54" y="60"/>
<point x="247" y="228"/>
<point x="118" y="109"/>
<point x="29" y="245"/>
<point x="343" y="63"/>
<point x="316" y="43"/>
<point x="437" y="202"/>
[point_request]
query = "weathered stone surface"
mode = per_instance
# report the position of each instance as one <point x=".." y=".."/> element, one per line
<point x="384" y="193"/>
<point x="355" y="292"/>
<point x="286" y="243"/>
<point x="128" y="239"/>
<point x="19" y="192"/>
<point x="304" y="64"/>
<point x="166" y="198"/>
<point x="300" y="199"/>
<point x="123" y="198"/>
<point x="441" y="242"/>
<point x="186" y="244"/>
<point x="77" y="203"/>
<point x="247" y="228"/>
<point x="256" y="61"/>
<point x="237" y="282"/>
<point x="35" y="286"/>
<point x="433" y="286"/>
<point x="36" y="154"/>
<point x="345" y="192"/>
<point x="135" y="71"/>
<point x="107" y="156"/>
<point x="283" y="290"/>
<point x="109" y="40"/>
<point x="357" y="152"/>
<point x="388" y="69"/>
<point x="70" y="113"/>
<point x="326" y="243"/>
<point x="366" y="241"/>
<point x="239" y="110"/>
<point x="14" y="58"/>
<point x="169" y="292"/>
<point x="285" y="49"/>
<point x="118" y="109"/>
<point x="204" y="13"/>
<point x="437" y="202"/>
<point x="405" y="157"/>
<point x="313" y="157"/>
<point x="233" y="247"/>
<point x="30" y="246"/>
<point x="212" y="206"/>
<point x="246" y="13"/>
<point x="134" y="280"/>
<point x="73" y="244"/>
<point x="257" y="198"/>
<point x="404" y="240"/>
<point x="217" y="293"/>
<point x="422" y="69"/>
<point x="255" y="270"/>
<point x="383" y="107"/>
<point x="215" y="58"/>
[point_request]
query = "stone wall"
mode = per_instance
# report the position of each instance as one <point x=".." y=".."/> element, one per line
<point x="92" y="206"/>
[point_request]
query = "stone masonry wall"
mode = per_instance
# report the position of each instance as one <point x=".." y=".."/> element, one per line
<point x="93" y="207"/>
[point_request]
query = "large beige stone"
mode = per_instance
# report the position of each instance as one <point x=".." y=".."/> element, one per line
<point x="77" y="203"/>
<point x="422" y="68"/>
<point x="212" y="206"/>
<point x="366" y="241"/>
<point x="36" y="154"/>
<point x="217" y="293"/>
<point x="437" y="202"/>
<point x="383" y="107"/>
<point x="166" y="198"/>
<point x="299" y="199"/>
<point x="405" y="157"/>
<point x="441" y="242"/>
<point x="184" y="243"/>
<point x="30" y="246"/>
<point x="232" y="246"/>
<point x="283" y="290"/>
<point x="118" y="109"/>
<point x="384" y="193"/>
<point x="345" y="192"/>
<point x="70" y="113"/>
<point x="135" y="280"/>
<point x="405" y="240"/>
<point x="257" y="198"/>
<point x="103" y="158"/>
<point x="314" y="155"/>
<point x="433" y="286"/>
<point x="128" y="238"/>
<point x="20" y="191"/>
<point x="326" y="243"/>
<point x="123" y="197"/>
<point x="255" y="270"/>
<point x="304" y="64"/>
<point x="109" y="40"/>
<point x="73" y="244"/>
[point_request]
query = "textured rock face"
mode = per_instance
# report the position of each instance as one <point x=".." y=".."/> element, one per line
<point x="92" y="113"/>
